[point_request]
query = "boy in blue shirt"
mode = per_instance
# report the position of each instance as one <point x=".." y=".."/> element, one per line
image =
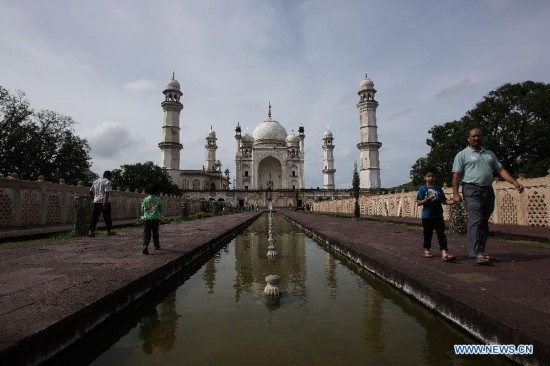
<point x="431" y="197"/>
<point x="152" y="209"/>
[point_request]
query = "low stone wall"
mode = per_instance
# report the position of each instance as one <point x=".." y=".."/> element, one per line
<point x="531" y="208"/>
<point x="25" y="203"/>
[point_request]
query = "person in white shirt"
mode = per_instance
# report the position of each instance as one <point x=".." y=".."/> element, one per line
<point x="101" y="193"/>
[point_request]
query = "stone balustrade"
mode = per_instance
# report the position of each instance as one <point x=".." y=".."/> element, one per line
<point x="25" y="203"/>
<point x="530" y="208"/>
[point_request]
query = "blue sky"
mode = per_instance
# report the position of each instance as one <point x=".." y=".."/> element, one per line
<point x="105" y="64"/>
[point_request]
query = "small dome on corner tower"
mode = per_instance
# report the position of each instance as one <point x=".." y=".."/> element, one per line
<point x="366" y="83"/>
<point x="173" y="84"/>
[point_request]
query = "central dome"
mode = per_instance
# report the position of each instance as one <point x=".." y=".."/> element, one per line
<point x="269" y="131"/>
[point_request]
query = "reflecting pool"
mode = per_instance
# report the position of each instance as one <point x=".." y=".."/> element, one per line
<point x="331" y="312"/>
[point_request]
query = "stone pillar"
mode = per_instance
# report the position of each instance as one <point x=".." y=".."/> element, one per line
<point x="458" y="217"/>
<point x="82" y="214"/>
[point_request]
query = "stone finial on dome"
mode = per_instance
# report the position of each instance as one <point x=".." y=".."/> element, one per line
<point x="269" y="113"/>
<point x="211" y="133"/>
<point x="366" y="83"/>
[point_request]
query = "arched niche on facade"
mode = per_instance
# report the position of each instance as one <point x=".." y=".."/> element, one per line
<point x="270" y="173"/>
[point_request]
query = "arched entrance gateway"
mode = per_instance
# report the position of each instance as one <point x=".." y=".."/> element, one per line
<point x="270" y="173"/>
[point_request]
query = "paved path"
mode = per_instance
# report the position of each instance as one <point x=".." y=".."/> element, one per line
<point x="51" y="293"/>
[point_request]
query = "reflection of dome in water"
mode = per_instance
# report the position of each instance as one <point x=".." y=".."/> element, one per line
<point x="269" y="131"/>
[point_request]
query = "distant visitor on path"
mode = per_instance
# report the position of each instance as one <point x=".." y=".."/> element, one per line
<point x="473" y="167"/>
<point x="431" y="197"/>
<point x="101" y="193"/>
<point x="152" y="209"/>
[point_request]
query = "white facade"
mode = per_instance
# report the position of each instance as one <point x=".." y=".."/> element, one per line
<point x="270" y="158"/>
<point x="369" y="145"/>
<point x="328" y="160"/>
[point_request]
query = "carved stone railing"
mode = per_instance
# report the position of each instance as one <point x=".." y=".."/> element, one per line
<point x="27" y="204"/>
<point x="530" y="208"/>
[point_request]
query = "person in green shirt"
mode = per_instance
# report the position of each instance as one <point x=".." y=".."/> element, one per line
<point x="152" y="210"/>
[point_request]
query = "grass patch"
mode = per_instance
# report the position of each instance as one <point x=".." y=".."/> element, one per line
<point x="529" y="243"/>
<point x="17" y="244"/>
<point x="64" y="236"/>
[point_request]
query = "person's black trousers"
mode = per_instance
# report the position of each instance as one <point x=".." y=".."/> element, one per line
<point x="98" y="210"/>
<point x="151" y="226"/>
<point x="429" y="225"/>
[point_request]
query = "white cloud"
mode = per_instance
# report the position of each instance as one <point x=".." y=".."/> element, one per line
<point x="111" y="139"/>
<point x="430" y="62"/>
<point x="142" y="85"/>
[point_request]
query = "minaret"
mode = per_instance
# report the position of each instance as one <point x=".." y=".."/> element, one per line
<point x="328" y="160"/>
<point x="170" y="146"/>
<point x="302" y="136"/>
<point x="369" y="145"/>
<point x="238" y="157"/>
<point x="211" y="148"/>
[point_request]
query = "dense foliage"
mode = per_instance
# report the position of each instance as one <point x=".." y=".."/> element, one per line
<point x="40" y="143"/>
<point x="139" y="176"/>
<point x="515" y="121"/>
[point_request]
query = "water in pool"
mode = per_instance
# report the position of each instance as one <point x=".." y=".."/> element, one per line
<point x="331" y="312"/>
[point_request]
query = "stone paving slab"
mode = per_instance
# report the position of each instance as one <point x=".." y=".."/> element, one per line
<point x="504" y="302"/>
<point x="52" y="293"/>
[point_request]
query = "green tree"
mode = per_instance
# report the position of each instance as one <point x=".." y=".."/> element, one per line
<point x="355" y="187"/>
<point x="139" y="176"/>
<point x="515" y="121"/>
<point x="40" y="143"/>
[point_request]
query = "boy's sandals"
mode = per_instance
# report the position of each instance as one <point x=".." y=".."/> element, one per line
<point x="427" y="255"/>
<point x="448" y="258"/>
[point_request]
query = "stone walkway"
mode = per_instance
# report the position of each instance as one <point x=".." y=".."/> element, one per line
<point x="52" y="293"/>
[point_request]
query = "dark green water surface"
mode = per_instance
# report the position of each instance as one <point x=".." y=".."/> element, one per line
<point x="331" y="313"/>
